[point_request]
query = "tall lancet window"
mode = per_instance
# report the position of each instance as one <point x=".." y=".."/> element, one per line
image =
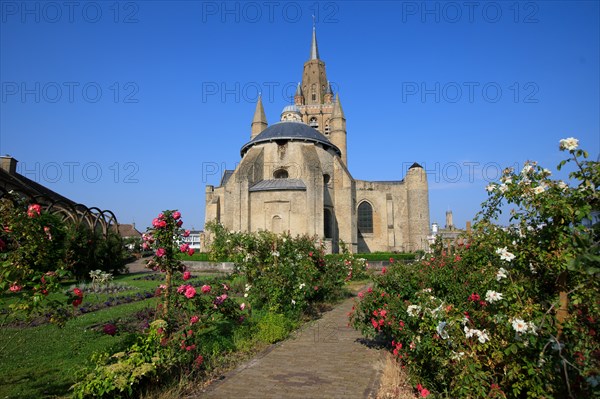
<point x="365" y="218"/>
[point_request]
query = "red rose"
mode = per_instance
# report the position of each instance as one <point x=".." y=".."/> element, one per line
<point x="34" y="210"/>
<point x="176" y="215"/>
<point x="187" y="275"/>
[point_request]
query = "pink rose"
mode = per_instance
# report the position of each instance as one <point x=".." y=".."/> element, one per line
<point x="194" y="319"/>
<point x="205" y="289"/>
<point x="145" y="246"/>
<point x="190" y="347"/>
<point x="220" y="299"/>
<point x="184" y="247"/>
<point x="181" y="289"/>
<point x="242" y="306"/>
<point x="160" y="252"/>
<point x="161" y="216"/>
<point x="190" y="292"/>
<point x="176" y="215"/>
<point x="187" y="275"/>
<point x="186" y="233"/>
<point x="15" y="288"/>
<point x="34" y="210"/>
<point x="190" y="251"/>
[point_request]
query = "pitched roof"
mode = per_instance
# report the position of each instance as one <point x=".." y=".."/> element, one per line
<point x="22" y="184"/>
<point x="278" y="185"/>
<point x="127" y="230"/>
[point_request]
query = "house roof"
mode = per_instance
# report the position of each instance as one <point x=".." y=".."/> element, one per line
<point x="24" y="185"/>
<point x="128" y="230"/>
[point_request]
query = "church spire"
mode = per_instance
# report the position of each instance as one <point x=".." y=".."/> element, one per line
<point x="338" y="128"/>
<point x="328" y="94"/>
<point x="259" y="122"/>
<point x="338" y="111"/>
<point x="314" y="49"/>
<point x="299" y="97"/>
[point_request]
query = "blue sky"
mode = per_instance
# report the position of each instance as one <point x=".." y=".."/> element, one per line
<point x="136" y="106"/>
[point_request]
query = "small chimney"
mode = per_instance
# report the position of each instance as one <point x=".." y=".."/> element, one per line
<point x="469" y="228"/>
<point x="9" y="164"/>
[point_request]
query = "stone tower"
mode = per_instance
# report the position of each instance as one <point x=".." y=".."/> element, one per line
<point x="315" y="100"/>
<point x="417" y="198"/>
<point x="449" y="222"/>
<point x="338" y="129"/>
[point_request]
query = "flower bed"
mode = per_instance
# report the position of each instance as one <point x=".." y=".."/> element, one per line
<point x="515" y="312"/>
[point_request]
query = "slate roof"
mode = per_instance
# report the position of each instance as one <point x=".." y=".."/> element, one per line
<point x="226" y="175"/>
<point x="20" y="183"/>
<point x="278" y="185"/>
<point x="290" y="131"/>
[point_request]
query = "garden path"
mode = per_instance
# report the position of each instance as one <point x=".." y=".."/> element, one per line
<point x="324" y="359"/>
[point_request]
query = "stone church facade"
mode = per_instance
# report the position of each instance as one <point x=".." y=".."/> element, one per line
<point x="294" y="177"/>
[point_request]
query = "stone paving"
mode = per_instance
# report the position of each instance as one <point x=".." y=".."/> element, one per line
<point x="324" y="359"/>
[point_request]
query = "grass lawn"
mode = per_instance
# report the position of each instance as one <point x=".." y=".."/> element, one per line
<point x="42" y="361"/>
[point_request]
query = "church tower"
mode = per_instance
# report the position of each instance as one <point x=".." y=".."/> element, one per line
<point x="315" y="100"/>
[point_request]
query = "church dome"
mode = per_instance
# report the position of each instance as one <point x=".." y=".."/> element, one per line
<point x="290" y="131"/>
<point x="291" y="108"/>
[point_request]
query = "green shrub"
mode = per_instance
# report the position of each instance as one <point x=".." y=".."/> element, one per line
<point x="512" y="314"/>
<point x="283" y="274"/>
<point x="273" y="327"/>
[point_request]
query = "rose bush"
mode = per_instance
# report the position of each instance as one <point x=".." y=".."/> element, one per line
<point x="514" y="313"/>
<point x="174" y="342"/>
<point x="283" y="273"/>
<point x="38" y="251"/>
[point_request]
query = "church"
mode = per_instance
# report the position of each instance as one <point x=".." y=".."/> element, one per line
<point x="294" y="177"/>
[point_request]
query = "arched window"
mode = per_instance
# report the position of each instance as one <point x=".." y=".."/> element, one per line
<point x="326" y="178"/>
<point x="280" y="174"/>
<point x="365" y="218"/>
<point x="327" y="223"/>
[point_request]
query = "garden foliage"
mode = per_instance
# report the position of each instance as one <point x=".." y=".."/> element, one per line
<point x="514" y="312"/>
<point x="284" y="273"/>
<point x="38" y="251"/>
